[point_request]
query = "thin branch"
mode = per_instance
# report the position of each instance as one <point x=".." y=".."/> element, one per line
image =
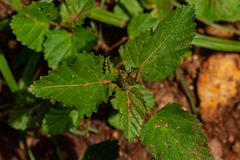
<point x="124" y="39"/>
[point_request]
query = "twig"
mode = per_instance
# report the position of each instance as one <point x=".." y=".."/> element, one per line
<point x="55" y="24"/>
<point x="124" y="39"/>
<point x="120" y="64"/>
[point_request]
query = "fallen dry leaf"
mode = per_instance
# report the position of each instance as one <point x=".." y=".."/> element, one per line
<point x="217" y="84"/>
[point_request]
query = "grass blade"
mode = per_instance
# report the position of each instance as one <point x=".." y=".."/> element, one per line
<point x="7" y="74"/>
<point x="108" y="17"/>
<point x="216" y="43"/>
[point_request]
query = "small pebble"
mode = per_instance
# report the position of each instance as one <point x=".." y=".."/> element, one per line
<point x="216" y="149"/>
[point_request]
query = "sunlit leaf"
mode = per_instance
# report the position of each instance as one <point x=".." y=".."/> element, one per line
<point x="128" y="8"/>
<point x="140" y="23"/>
<point x="32" y="23"/>
<point x="216" y="10"/>
<point x="73" y="12"/>
<point x="160" y="8"/>
<point x="132" y="110"/>
<point x="63" y="46"/>
<point x="156" y="54"/>
<point x="82" y="85"/>
<point x="173" y="133"/>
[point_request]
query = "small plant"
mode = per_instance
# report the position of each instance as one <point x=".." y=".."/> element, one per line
<point x="171" y="132"/>
<point x="81" y="80"/>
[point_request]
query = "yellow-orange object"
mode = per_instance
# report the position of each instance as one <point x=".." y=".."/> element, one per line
<point x="217" y="84"/>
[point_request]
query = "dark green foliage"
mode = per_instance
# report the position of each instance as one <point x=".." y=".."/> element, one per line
<point x="61" y="119"/>
<point x="107" y="150"/>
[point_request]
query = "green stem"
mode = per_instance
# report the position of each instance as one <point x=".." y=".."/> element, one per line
<point x="108" y="17"/>
<point x="102" y="4"/>
<point x="216" y="43"/>
<point x="22" y="135"/>
<point x="86" y="130"/>
<point x="187" y="90"/>
<point x="17" y="5"/>
<point x="215" y="25"/>
<point x="7" y="74"/>
<point x="58" y="150"/>
<point x="93" y="130"/>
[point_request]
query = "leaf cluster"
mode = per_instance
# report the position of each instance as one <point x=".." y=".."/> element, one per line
<point x="151" y="56"/>
<point x="57" y="31"/>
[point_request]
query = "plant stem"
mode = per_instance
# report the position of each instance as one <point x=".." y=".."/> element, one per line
<point x="86" y="130"/>
<point x="58" y="150"/>
<point x="22" y="135"/>
<point x="216" y="43"/>
<point x="17" y="5"/>
<point x="215" y="25"/>
<point x="187" y="90"/>
<point x="7" y="74"/>
<point x="55" y="24"/>
<point x="108" y="17"/>
<point x="124" y="39"/>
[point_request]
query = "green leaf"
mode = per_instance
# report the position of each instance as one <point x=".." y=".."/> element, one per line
<point x="132" y="108"/>
<point x="82" y="85"/>
<point x="160" y="8"/>
<point x="20" y="117"/>
<point x="73" y="12"/>
<point x="4" y="24"/>
<point x="217" y="10"/>
<point x="113" y="119"/>
<point x="173" y="133"/>
<point x="61" y="119"/>
<point x="107" y="150"/>
<point x="63" y="46"/>
<point x="148" y="97"/>
<point x="23" y="117"/>
<point x="32" y="23"/>
<point x="140" y="23"/>
<point x="156" y="54"/>
<point x="48" y="1"/>
<point x="128" y="8"/>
